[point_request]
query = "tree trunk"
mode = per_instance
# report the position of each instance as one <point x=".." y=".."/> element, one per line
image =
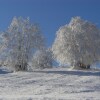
<point x="82" y="65"/>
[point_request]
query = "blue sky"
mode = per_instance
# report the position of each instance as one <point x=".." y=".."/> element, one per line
<point x="49" y="14"/>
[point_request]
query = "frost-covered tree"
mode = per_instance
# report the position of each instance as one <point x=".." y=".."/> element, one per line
<point x="23" y="39"/>
<point x="42" y="59"/>
<point x="77" y="43"/>
<point x="3" y="45"/>
<point x="3" y="42"/>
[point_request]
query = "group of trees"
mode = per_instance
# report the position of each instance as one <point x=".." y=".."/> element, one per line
<point x="77" y="44"/>
<point x="22" y="40"/>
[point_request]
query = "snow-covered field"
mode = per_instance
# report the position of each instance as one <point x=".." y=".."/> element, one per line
<point x="50" y="84"/>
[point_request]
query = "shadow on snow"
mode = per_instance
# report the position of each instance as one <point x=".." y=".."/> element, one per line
<point x="3" y="71"/>
<point x="79" y="73"/>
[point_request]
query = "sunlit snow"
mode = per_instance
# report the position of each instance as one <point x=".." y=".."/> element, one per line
<point x="50" y="84"/>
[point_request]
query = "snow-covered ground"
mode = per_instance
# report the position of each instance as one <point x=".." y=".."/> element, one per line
<point x="50" y="84"/>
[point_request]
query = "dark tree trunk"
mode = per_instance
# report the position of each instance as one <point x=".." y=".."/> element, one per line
<point x="21" y="67"/>
<point x="82" y="65"/>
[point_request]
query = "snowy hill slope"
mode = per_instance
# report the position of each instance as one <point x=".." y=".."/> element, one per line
<point x="50" y="84"/>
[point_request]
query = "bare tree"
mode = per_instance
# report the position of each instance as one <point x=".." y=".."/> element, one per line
<point x="77" y="43"/>
<point x="23" y="39"/>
